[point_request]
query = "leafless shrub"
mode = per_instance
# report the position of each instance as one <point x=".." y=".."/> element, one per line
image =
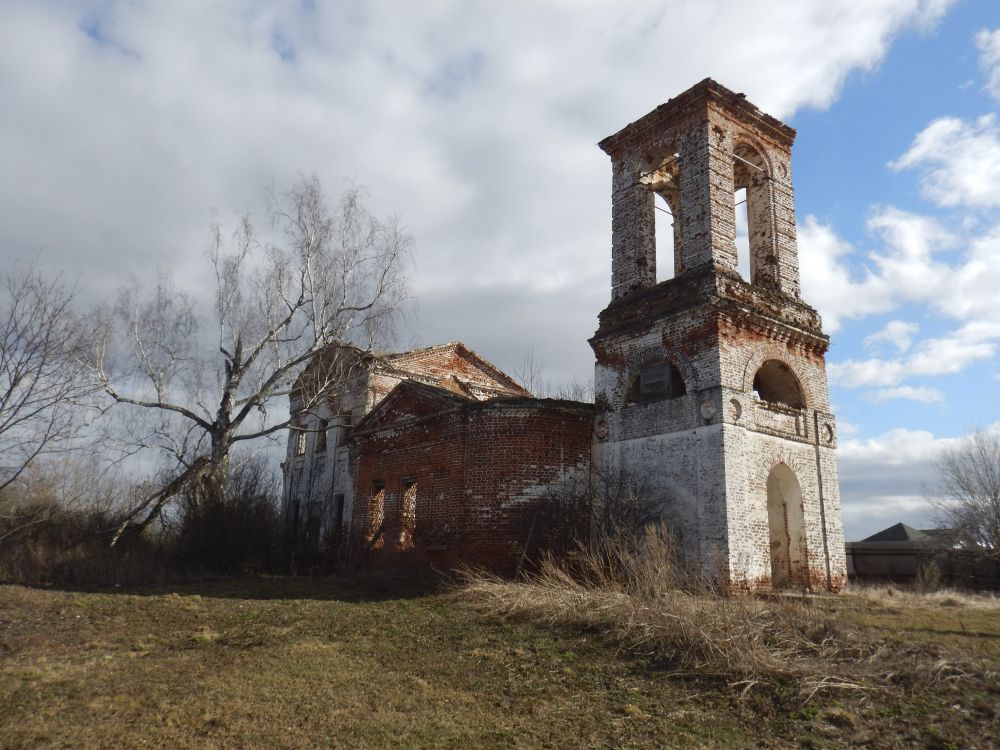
<point x="238" y="533"/>
<point x="57" y="521"/>
<point x="928" y="577"/>
<point x="529" y="373"/>
<point x="621" y="508"/>
<point x="55" y="525"/>
<point x="967" y="496"/>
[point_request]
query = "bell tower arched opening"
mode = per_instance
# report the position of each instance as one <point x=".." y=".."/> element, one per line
<point x="775" y="383"/>
<point x="661" y="176"/>
<point x="756" y="255"/>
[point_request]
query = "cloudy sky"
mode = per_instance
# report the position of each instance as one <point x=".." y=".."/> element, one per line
<point x="124" y="125"/>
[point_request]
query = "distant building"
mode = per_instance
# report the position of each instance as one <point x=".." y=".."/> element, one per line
<point x="896" y="553"/>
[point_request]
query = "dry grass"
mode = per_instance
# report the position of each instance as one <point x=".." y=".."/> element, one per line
<point x="295" y="663"/>
<point x="278" y="662"/>
<point x="634" y="596"/>
<point x="893" y="595"/>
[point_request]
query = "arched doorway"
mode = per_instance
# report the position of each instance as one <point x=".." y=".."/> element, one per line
<point x="787" y="528"/>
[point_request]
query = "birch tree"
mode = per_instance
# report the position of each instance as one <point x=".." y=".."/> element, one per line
<point x="334" y="279"/>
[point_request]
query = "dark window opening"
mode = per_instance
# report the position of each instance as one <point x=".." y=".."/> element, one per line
<point x="338" y="518"/>
<point x="655" y="382"/>
<point x="776" y="383"/>
<point x="313" y="525"/>
<point x="324" y="424"/>
<point x="346" y="422"/>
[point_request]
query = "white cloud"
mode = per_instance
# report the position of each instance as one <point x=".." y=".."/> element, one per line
<point x="905" y="269"/>
<point x="827" y="281"/>
<point x="897" y="333"/>
<point x="918" y="262"/>
<point x="923" y="394"/>
<point x="946" y="355"/>
<point x="960" y="161"/>
<point x="988" y="43"/>
<point x="883" y="480"/>
<point x="126" y="123"/>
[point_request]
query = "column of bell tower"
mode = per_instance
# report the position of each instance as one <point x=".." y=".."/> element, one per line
<point x="711" y="389"/>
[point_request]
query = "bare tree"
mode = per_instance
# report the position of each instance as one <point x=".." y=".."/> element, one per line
<point x="529" y="372"/>
<point x="334" y="280"/>
<point x="40" y="383"/>
<point x="967" y="497"/>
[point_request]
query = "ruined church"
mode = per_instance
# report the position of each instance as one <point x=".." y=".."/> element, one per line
<point x="710" y="392"/>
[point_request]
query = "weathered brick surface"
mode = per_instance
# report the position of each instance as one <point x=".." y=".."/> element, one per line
<point x="707" y="456"/>
<point x="490" y="477"/>
<point x="318" y="485"/>
<point x="455" y="463"/>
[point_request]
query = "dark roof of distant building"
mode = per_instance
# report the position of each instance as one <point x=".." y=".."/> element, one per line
<point x="900" y="532"/>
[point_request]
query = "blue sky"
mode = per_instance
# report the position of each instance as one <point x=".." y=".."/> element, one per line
<point x="924" y="77"/>
<point x="126" y="123"/>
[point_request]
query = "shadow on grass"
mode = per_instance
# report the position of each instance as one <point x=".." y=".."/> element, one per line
<point x="358" y="587"/>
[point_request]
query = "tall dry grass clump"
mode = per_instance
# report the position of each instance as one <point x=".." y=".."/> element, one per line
<point x="632" y="591"/>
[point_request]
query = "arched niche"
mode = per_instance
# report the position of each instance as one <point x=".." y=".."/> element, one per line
<point x="786" y="526"/>
<point x="657" y="380"/>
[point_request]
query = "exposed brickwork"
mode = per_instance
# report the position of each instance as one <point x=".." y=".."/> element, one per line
<point x="710" y="390"/>
<point x="319" y="486"/>
<point x="488" y="479"/>
<point x="750" y="487"/>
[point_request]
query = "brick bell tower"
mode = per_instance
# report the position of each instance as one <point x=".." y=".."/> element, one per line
<point x="711" y="389"/>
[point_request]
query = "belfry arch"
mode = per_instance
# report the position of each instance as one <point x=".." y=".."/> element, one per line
<point x="661" y="175"/>
<point x="751" y="180"/>
<point x="776" y="383"/>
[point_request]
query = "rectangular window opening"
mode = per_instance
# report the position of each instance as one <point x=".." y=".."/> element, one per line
<point x="407" y="513"/>
<point x="376" y="516"/>
<point x="338" y="515"/>
<point x="346" y="423"/>
<point x="324" y="425"/>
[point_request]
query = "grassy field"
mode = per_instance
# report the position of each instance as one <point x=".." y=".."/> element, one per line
<point x="323" y="663"/>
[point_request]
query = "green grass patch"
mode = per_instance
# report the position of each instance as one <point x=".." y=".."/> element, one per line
<point x="326" y="663"/>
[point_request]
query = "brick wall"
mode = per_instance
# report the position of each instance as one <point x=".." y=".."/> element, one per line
<point x="706" y="458"/>
<point x="494" y="481"/>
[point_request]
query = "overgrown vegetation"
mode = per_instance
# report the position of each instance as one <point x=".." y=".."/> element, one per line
<point x="324" y="662"/>
<point x="58" y="520"/>
<point x="631" y="593"/>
